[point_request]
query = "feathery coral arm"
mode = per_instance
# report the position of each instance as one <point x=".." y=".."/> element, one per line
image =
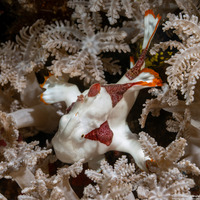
<point x="43" y="117"/>
<point x="23" y="177"/>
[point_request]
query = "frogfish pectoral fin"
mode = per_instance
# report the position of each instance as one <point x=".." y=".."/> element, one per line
<point x="148" y="77"/>
<point x="57" y="89"/>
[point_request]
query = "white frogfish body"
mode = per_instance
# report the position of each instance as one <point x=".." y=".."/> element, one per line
<point x="96" y="119"/>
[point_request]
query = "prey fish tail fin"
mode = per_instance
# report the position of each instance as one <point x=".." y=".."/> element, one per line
<point x="150" y="26"/>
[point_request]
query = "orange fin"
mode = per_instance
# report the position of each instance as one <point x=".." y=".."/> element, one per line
<point x="45" y="79"/>
<point x="42" y="100"/>
<point x="157" y="81"/>
<point x="42" y="86"/>
<point x="132" y="62"/>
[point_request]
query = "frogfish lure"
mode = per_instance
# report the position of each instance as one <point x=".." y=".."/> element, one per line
<point x="96" y="119"/>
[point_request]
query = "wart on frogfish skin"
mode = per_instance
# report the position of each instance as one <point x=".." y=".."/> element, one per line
<point x="100" y="125"/>
<point x="80" y="98"/>
<point x="94" y="90"/>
